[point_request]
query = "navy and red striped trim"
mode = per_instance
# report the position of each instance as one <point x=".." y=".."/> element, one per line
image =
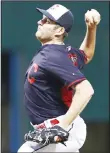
<point x="75" y="82"/>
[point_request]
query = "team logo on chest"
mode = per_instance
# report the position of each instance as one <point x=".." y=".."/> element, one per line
<point x="33" y="69"/>
<point x="73" y="57"/>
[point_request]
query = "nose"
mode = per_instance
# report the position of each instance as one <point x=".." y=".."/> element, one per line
<point x="40" y="22"/>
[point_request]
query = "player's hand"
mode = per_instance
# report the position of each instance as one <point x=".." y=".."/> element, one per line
<point x="92" y="18"/>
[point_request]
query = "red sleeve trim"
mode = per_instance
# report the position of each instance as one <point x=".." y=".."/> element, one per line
<point x="75" y="82"/>
<point x="85" y="57"/>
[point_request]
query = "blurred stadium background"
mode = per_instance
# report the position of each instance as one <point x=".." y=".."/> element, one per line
<point x="19" y="24"/>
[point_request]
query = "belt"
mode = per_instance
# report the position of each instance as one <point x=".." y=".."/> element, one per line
<point x="47" y="123"/>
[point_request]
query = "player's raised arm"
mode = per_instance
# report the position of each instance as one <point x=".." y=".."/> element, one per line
<point x="92" y="19"/>
<point x="83" y="94"/>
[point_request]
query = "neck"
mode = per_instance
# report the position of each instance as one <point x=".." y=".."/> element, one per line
<point x="53" y="42"/>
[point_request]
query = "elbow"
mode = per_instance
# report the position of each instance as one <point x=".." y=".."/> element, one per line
<point x="89" y="55"/>
<point x="85" y="88"/>
<point x="88" y="59"/>
<point x="90" y="91"/>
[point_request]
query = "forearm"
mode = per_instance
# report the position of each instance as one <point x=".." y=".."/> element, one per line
<point x="83" y="94"/>
<point x="76" y="109"/>
<point x="88" y="44"/>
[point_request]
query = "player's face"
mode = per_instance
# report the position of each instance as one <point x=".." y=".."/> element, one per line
<point x="46" y="29"/>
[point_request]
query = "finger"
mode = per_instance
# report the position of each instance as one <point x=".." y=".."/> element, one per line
<point x="86" y="18"/>
<point x="89" y="21"/>
<point x="57" y="139"/>
<point x="96" y="19"/>
<point x="89" y="17"/>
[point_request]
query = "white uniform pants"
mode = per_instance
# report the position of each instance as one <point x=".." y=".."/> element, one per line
<point x="77" y="137"/>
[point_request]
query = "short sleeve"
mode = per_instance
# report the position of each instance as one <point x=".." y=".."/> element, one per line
<point x="62" y="67"/>
<point x="83" y="55"/>
<point x="78" y="57"/>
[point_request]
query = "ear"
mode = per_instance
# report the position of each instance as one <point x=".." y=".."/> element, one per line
<point x="60" y="31"/>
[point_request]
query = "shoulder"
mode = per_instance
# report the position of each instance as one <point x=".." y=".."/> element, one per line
<point x="56" y="52"/>
<point x="80" y="53"/>
<point x="75" y="50"/>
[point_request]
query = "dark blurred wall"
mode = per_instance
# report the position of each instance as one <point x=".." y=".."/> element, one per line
<point x="19" y="24"/>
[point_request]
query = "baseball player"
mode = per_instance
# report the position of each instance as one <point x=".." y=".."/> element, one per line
<point x="55" y="89"/>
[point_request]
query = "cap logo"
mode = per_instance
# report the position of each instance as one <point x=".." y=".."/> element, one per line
<point x="57" y="11"/>
<point x="54" y="6"/>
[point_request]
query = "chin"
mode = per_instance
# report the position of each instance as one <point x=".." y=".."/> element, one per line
<point x="38" y="35"/>
<point x="41" y="37"/>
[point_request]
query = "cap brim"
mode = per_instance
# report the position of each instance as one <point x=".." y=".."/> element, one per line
<point x="47" y="14"/>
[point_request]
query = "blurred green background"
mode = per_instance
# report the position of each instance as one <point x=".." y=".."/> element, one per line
<point x="19" y="24"/>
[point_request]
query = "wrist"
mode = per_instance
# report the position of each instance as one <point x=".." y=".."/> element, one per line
<point x="65" y="121"/>
<point x="91" y="28"/>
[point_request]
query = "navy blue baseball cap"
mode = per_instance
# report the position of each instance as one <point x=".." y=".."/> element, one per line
<point x="60" y="14"/>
